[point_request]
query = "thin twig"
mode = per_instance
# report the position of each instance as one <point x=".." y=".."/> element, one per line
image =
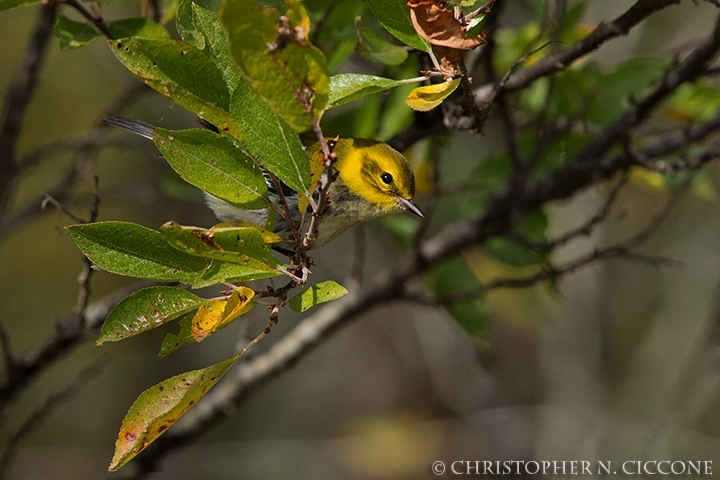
<point x="622" y="249"/>
<point x="321" y="23"/>
<point x="283" y="209"/>
<point x="604" y="32"/>
<point x="97" y="20"/>
<point x="599" y="217"/>
<point x="327" y="180"/>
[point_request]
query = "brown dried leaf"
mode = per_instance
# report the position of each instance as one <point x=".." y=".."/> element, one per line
<point x="443" y="31"/>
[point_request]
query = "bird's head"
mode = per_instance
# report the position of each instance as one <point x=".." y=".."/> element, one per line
<point x="377" y="173"/>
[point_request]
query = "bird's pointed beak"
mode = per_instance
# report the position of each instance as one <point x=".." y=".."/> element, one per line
<point x="411" y="206"/>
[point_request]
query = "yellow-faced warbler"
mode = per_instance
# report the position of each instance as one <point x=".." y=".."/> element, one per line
<point x="374" y="180"/>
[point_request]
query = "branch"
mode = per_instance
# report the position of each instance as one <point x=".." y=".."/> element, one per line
<point x="602" y="33"/>
<point x="426" y="125"/>
<point x="18" y="98"/>
<point x="622" y="249"/>
<point x="588" y="166"/>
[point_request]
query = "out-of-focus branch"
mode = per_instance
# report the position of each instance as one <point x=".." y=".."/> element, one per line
<point x="427" y="124"/>
<point x="588" y="166"/>
<point x="622" y="250"/>
<point x="26" y="367"/>
<point x="79" y="168"/>
<point x="95" y="19"/>
<point x="43" y="153"/>
<point x="601" y="34"/>
<point x="18" y="99"/>
<point x="46" y="409"/>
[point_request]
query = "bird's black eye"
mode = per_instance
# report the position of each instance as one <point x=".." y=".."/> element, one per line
<point x="386" y="177"/>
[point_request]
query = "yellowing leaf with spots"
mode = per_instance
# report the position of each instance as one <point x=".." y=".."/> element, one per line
<point x="278" y="60"/>
<point x="317" y="167"/>
<point x="430" y="96"/>
<point x="216" y="314"/>
<point x="158" y="407"/>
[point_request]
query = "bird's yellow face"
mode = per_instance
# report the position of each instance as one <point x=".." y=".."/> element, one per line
<point x="377" y="173"/>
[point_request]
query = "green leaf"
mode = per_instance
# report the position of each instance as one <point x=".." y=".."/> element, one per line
<point x="233" y="272"/>
<point x="629" y="80"/>
<point x="394" y="15"/>
<point x="402" y="228"/>
<point x="169" y="10"/>
<point x="208" y="24"/>
<point x="215" y="164"/>
<point x="288" y="72"/>
<point x="185" y="24"/>
<point x="73" y="34"/>
<point x="146" y="309"/>
<point x="247" y="241"/>
<point x="317" y="294"/>
<point x="430" y="96"/>
<point x="453" y="277"/>
<point x="511" y="252"/>
<point x="184" y="337"/>
<point x="270" y="139"/>
<point x="372" y="48"/>
<point x="182" y="73"/>
<point x="194" y="81"/>
<point x="8" y="4"/>
<point x="138" y="27"/>
<point x="532" y="228"/>
<point x="243" y="246"/>
<point x="396" y="114"/>
<point x="136" y="251"/>
<point x="160" y="406"/>
<point x="201" y="27"/>
<point x="347" y="87"/>
<point x="533" y="225"/>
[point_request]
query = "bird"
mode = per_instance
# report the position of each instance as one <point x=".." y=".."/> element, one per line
<point x="374" y="180"/>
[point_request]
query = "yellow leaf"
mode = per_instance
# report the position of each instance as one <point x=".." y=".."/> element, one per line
<point x="207" y="318"/>
<point x="430" y="96"/>
<point x="648" y="178"/>
<point x="216" y="314"/>
<point x="238" y="304"/>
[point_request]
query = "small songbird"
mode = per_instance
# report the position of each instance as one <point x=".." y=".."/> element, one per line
<point x="374" y="180"/>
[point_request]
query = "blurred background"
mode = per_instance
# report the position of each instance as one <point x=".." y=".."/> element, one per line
<point x="620" y="363"/>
